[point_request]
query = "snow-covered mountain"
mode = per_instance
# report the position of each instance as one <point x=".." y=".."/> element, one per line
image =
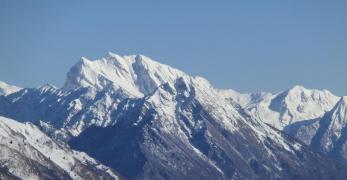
<point x="151" y="121"/>
<point x="136" y="75"/>
<point x="28" y="153"/>
<point x="285" y="108"/>
<point x="327" y="134"/>
<point x="315" y="117"/>
<point x="93" y="89"/>
<point x="187" y="130"/>
<point x="6" y="89"/>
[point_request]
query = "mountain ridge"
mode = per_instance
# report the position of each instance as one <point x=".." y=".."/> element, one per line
<point x="148" y="120"/>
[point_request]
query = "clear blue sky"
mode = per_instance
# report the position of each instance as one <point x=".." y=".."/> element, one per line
<point x="249" y="46"/>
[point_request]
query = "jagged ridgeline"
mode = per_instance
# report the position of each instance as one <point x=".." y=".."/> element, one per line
<point x="145" y="120"/>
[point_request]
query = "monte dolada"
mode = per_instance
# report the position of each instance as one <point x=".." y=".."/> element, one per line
<point x="129" y="117"/>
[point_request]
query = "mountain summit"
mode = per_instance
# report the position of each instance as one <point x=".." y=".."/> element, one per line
<point x="138" y="75"/>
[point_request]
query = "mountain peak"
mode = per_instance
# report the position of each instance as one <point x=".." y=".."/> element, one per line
<point x="304" y="94"/>
<point x="136" y="74"/>
<point x="299" y="103"/>
<point x="298" y="88"/>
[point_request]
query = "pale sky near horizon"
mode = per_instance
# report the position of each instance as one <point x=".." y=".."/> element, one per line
<point x="247" y="45"/>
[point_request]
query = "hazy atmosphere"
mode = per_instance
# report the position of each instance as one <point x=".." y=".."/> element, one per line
<point x="248" y="46"/>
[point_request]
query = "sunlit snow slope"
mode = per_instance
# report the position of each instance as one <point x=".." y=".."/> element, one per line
<point x="27" y="153"/>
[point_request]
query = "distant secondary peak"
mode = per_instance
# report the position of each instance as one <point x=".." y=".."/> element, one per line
<point x="297" y="89"/>
<point x="309" y="93"/>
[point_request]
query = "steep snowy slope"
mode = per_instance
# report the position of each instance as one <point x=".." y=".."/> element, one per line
<point x="186" y="130"/>
<point x="285" y="108"/>
<point x="6" y="89"/>
<point x="327" y="134"/>
<point x="28" y="153"/>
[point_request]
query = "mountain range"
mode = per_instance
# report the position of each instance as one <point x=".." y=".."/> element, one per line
<point x="134" y="118"/>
